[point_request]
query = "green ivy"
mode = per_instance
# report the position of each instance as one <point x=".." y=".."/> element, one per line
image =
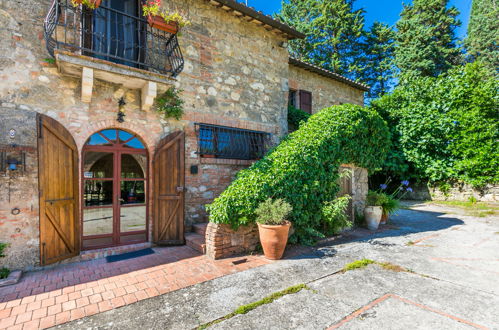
<point x="303" y="169"/>
<point x="170" y="104"/>
<point x="4" y="272"/>
<point x="296" y="117"/>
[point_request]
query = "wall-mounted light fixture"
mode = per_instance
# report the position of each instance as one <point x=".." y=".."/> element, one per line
<point x="121" y="111"/>
<point x="13" y="164"/>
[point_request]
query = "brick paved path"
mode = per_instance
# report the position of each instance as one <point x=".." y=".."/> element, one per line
<point x="68" y="292"/>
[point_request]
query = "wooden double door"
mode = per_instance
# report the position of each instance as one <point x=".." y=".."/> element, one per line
<point x="109" y="206"/>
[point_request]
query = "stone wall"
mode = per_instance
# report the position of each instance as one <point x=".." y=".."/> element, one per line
<point x="326" y="92"/>
<point x="222" y="241"/>
<point x="19" y="210"/>
<point x="235" y="75"/>
<point x="457" y="192"/>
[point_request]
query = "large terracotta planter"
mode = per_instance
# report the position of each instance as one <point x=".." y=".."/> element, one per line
<point x="384" y="218"/>
<point x="373" y="216"/>
<point x="159" y="23"/>
<point x="274" y="240"/>
<point x="96" y="3"/>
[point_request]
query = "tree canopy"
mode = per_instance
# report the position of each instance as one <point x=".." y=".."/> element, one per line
<point x="482" y="42"/>
<point x="425" y="40"/>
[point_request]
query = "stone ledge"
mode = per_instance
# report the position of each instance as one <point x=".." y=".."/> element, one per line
<point x="13" y="278"/>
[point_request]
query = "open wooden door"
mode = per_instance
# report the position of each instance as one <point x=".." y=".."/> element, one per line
<point x="168" y="190"/>
<point x="58" y="183"/>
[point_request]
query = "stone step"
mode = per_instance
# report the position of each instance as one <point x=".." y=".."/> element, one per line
<point x="196" y="241"/>
<point x="200" y="228"/>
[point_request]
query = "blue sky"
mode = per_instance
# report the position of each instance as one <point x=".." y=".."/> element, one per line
<point x="386" y="11"/>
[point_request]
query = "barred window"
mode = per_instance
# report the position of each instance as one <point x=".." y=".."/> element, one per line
<point x="231" y="143"/>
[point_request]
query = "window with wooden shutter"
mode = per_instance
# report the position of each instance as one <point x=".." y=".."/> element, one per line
<point x="306" y="101"/>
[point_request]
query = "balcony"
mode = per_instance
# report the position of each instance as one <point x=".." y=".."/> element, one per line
<point x="113" y="43"/>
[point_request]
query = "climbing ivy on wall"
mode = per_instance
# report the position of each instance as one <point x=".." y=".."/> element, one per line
<point x="304" y="169"/>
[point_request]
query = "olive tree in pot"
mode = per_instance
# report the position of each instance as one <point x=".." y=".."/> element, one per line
<point x="373" y="210"/>
<point x="273" y="227"/>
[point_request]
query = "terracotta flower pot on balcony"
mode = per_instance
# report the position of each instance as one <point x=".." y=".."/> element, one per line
<point x="274" y="239"/>
<point x="159" y="23"/>
<point x="95" y="3"/>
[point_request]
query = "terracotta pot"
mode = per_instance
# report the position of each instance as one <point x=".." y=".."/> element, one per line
<point x="159" y="23"/>
<point x="384" y="218"/>
<point x="373" y="216"/>
<point x="274" y="240"/>
<point x="96" y="3"/>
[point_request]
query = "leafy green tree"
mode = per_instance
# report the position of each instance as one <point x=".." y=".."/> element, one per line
<point x="444" y="128"/>
<point x="379" y="71"/>
<point x="334" y="32"/>
<point x="483" y="32"/>
<point x="425" y="41"/>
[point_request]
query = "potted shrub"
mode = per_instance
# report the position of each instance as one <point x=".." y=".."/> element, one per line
<point x="163" y="20"/>
<point x="373" y="210"/>
<point x="273" y="227"/>
<point x="90" y="4"/>
<point x="391" y="202"/>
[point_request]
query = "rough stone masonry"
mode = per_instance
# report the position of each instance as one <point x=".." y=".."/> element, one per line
<point x="236" y="74"/>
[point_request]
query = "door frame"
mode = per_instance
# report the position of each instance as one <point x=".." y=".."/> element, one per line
<point x="116" y="150"/>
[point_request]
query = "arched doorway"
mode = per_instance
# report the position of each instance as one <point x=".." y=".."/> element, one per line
<point x="115" y="190"/>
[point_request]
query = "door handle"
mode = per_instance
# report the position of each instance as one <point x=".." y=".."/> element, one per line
<point x="180" y="189"/>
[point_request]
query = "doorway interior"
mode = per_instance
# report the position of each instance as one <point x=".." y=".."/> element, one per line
<point x="115" y="190"/>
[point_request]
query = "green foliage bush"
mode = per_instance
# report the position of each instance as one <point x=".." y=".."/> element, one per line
<point x="444" y="128"/>
<point x="303" y="169"/>
<point x="4" y="272"/>
<point x="296" y="117"/>
<point x="334" y="215"/>
<point x="273" y="212"/>
<point x="375" y="199"/>
<point x="170" y="104"/>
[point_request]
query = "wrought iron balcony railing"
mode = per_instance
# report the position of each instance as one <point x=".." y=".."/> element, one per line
<point x="113" y="32"/>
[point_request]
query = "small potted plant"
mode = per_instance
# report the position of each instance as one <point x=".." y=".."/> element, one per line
<point x="373" y="210"/>
<point x="163" y="20"/>
<point x="273" y="227"/>
<point x="90" y="4"/>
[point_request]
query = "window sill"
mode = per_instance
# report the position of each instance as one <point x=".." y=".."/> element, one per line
<point x="222" y="161"/>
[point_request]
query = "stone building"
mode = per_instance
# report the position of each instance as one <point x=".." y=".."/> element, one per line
<point x="88" y="167"/>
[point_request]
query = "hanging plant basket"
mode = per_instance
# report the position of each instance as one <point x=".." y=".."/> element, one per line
<point x="159" y="23"/>
<point x="95" y="3"/>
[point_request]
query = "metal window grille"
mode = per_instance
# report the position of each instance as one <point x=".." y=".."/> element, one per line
<point x="231" y="143"/>
<point x="112" y="33"/>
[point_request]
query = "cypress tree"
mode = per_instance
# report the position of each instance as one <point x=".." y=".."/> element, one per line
<point x="483" y="32"/>
<point x="334" y="32"/>
<point x="379" y="46"/>
<point x="426" y="41"/>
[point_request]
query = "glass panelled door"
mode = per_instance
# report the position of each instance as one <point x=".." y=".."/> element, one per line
<point x="114" y="190"/>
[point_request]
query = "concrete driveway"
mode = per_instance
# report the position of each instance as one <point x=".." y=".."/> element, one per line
<point x="441" y="272"/>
